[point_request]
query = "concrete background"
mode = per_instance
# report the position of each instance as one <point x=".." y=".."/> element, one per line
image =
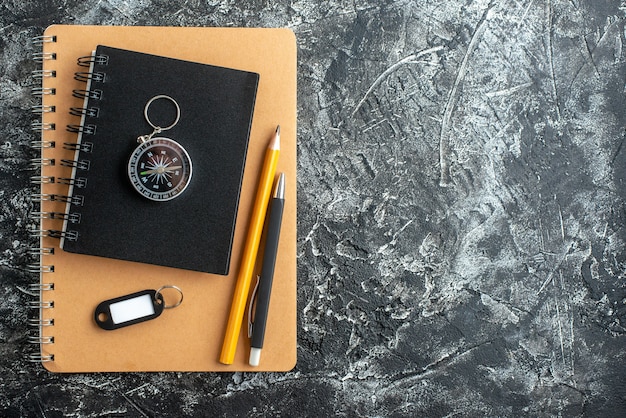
<point x="461" y="213"/>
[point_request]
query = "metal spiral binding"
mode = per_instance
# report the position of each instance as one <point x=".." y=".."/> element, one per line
<point x="43" y="91"/>
<point x="55" y="233"/>
<point x="40" y="358"/>
<point x="41" y="74"/>
<point x="40" y="40"/>
<point x="38" y="145"/>
<point x="92" y="112"/>
<point x="46" y="270"/>
<point x="79" y="182"/>
<point x="85" y="129"/>
<point x="37" y="163"/>
<point x="38" y="339"/>
<point x="40" y="57"/>
<point x="84" y="94"/>
<point x="41" y="322"/>
<point x="96" y="59"/>
<point x="80" y="164"/>
<point x="38" y="126"/>
<point x="41" y="267"/>
<point x="86" y="76"/>
<point x="56" y="215"/>
<point x="71" y="217"/>
<point x="85" y="111"/>
<point x="40" y="109"/>
<point x="41" y="304"/>
<point x="42" y="180"/>
<point x="40" y="252"/>
<point x="38" y="268"/>
<point x="74" y="200"/>
<point x="83" y="147"/>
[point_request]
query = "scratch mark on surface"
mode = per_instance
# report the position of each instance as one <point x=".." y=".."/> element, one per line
<point x="411" y="59"/>
<point x="551" y="59"/>
<point x="111" y="384"/>
<point x="619" y="147"/>
<point x="543" y="286"/>
<point x="562" y="224"/>
<point x="509" y="91"/>
<point x="26" y="291"/>
<point x="521" y="21"/>
<point x="590" y="55"/>
<point x="444" y="361"/>
<point x="128" y="392"/>
<point x="143" y="414"/>
<point x="380" y="122"/>
<point x="568" y="316"/>
<point x="125" y="13"/>
<point x="444" y="145"/>
<point x="394" y="239"/>
<point x="571" y="332"/>
<point x="589" y="51"/>
<point x="562" y="258"/>
<point x="558" y="320"/>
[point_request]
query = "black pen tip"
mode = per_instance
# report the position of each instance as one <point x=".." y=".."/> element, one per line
<point x="279" y="188"/>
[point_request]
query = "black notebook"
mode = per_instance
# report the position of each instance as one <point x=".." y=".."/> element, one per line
<point x="205" y="110"/>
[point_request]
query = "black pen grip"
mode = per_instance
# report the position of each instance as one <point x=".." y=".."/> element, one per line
<point x="267" y="272"/>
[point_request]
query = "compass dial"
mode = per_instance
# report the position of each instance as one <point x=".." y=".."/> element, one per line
<point x="159" y="169"/>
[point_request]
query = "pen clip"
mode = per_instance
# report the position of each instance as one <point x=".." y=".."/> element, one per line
<point x="250" y="307"/>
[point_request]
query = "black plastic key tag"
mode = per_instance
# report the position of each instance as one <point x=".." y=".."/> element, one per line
<point x="134" y="308"/>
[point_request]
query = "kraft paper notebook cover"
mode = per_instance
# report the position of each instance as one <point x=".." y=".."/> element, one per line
<point x="189" y="337"/>
<point x="208" y="111"/>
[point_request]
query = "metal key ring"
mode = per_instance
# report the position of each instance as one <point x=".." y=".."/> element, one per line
<point x="160" y="128"/>
<point x="169" y="286"/>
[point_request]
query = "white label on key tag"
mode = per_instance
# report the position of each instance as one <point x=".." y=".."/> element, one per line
<point x="128" y="310"/>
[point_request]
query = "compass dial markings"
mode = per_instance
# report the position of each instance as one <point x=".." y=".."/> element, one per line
<point x="160" y="169"/>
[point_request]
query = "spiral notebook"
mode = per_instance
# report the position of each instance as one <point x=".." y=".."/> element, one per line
<point x="207" y="111"/>
<point x="226" y="89"/>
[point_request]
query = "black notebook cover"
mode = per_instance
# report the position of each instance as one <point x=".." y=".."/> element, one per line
<point x="106" y="216"/>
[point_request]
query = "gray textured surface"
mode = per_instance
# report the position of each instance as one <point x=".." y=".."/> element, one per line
<point x="461" y="216"/>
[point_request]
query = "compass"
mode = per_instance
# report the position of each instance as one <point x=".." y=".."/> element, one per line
<point x="159" y="168"/>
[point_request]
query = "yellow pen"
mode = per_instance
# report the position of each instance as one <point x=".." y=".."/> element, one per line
<point x="251" y="248"/>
